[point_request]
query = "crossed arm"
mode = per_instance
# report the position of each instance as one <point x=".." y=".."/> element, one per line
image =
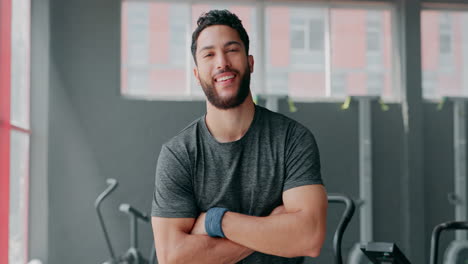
<point x="295" y="229"/>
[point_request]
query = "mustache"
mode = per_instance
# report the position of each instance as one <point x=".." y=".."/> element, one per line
<point x="226" y="70"/>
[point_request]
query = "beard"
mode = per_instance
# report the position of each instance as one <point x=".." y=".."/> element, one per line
<point x="232" y="101"/>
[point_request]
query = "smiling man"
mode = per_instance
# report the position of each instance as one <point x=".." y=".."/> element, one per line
<point x="241" y="184"/>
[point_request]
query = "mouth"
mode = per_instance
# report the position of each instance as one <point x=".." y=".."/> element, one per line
<point x="225" y="78"/>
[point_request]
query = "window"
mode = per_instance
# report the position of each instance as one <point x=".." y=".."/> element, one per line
<point x="306" y="47"/>
<point x="307" y="30"/>
<point x="445" y="35"/>
<point x="444" y="50"/>
<point x="156" y="37"/>
<point x="362" y="45"/>
<point x="445" y="40"/>
<point x="295" y="57"/>
<point x="14" y="129"/>
<point x="307" y="38"/>
<point x="356" y="59"/>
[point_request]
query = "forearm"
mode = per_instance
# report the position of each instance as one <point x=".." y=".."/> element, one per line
<point x="204" y="249"/>
<point x="287" y="235"/>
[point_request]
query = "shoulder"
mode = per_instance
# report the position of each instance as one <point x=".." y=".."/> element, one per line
<point x="184" y="142"/>
<point x="283" y="124"/>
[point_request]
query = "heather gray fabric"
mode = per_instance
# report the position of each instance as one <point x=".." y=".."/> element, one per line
<point x="195" y="172"/>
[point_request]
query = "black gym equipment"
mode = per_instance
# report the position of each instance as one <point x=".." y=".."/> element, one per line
<point x="461" y="253"/>
<point x="345" y="219"/>
<point x="389" y="253"/>
<point x="133" y="254"/>
<point x="383" y="253"/>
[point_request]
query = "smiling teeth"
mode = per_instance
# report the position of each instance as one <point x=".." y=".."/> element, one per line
<point x="225" y="78"/>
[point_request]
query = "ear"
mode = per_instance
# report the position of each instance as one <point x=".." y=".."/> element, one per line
<point x="195" y="73"/>
<point x="251" y="63"/>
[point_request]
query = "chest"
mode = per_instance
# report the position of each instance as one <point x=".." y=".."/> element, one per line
<point x="247" y="179"/>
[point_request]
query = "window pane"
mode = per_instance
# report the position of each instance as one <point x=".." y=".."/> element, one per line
<point x="20" y="48"/>
<point x="445" y="44"/>
<point x="178" y="23"/>
<point x="316" y="35"/>
<point x="444" y="41"/>
<point x="154" y="49"/>
<point x="295" y="57"/>
<point x="361" y="52"/>
<point x="19" y="174"/>
<point x="297" y="39"/>
<point x="373" y="40"/>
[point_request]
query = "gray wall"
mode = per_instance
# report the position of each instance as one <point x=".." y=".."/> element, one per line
<point x="94" y="134"/>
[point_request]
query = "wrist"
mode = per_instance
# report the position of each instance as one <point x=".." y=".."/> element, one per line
<point x="213" y="221"/>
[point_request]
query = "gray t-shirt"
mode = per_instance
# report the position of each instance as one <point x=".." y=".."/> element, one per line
<point x="195" y="172"/>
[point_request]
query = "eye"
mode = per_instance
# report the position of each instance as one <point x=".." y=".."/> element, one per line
<point x="208" y="55"/>
<point x="233" y="50"/>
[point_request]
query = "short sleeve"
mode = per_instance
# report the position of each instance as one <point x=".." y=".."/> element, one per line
<point x="173" y="195"/>
<point x="302" y="159"/>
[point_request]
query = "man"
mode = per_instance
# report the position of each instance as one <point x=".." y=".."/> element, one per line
<point x="241" y="184"/>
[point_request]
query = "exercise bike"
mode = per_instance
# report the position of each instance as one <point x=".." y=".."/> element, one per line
<point x="133" y="254"/>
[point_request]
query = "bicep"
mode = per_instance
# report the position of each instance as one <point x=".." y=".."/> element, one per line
<point x="309" y="204"/>
<point x="168" y="232"/>
<point x="309" y="199"/>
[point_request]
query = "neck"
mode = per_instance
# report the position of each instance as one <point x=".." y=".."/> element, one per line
<point x="230" y="124"/>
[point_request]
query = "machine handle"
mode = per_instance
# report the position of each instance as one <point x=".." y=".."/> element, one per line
<point x="345" y="219"/>
<point x="111" y="185"/>
<point x="128" y="209"/>
<point x="452" y="225"/>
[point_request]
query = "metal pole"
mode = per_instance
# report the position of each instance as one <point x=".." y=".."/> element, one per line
<point x="366" y="226"/>
<point x="133" y="231"/>
<point x="460" y="164"/>
<point x="365" y="169"/>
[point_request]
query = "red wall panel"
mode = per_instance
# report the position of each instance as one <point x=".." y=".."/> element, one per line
<point x="5" y="70"/>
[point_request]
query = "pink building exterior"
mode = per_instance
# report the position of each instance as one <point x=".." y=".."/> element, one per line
<point x="444" y="51"/>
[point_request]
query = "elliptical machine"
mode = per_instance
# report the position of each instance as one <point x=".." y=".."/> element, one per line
<point x="133" y="254"/>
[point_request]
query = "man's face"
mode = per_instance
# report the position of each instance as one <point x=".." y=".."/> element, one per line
<point x="223" y="69"/>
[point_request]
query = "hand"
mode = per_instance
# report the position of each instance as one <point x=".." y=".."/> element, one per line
<point x="199" y="226"/>
<point x="279" y="210"/>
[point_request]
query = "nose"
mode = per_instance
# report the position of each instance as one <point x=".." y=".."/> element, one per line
<point x="222" y="62"/>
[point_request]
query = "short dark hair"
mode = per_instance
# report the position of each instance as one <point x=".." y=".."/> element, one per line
<point x="219" y="17"/>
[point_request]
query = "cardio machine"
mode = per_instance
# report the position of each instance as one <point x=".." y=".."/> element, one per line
<point x="133" y="254"/>
<point x="389" y="253"/>
<point x="343" y="224"/>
